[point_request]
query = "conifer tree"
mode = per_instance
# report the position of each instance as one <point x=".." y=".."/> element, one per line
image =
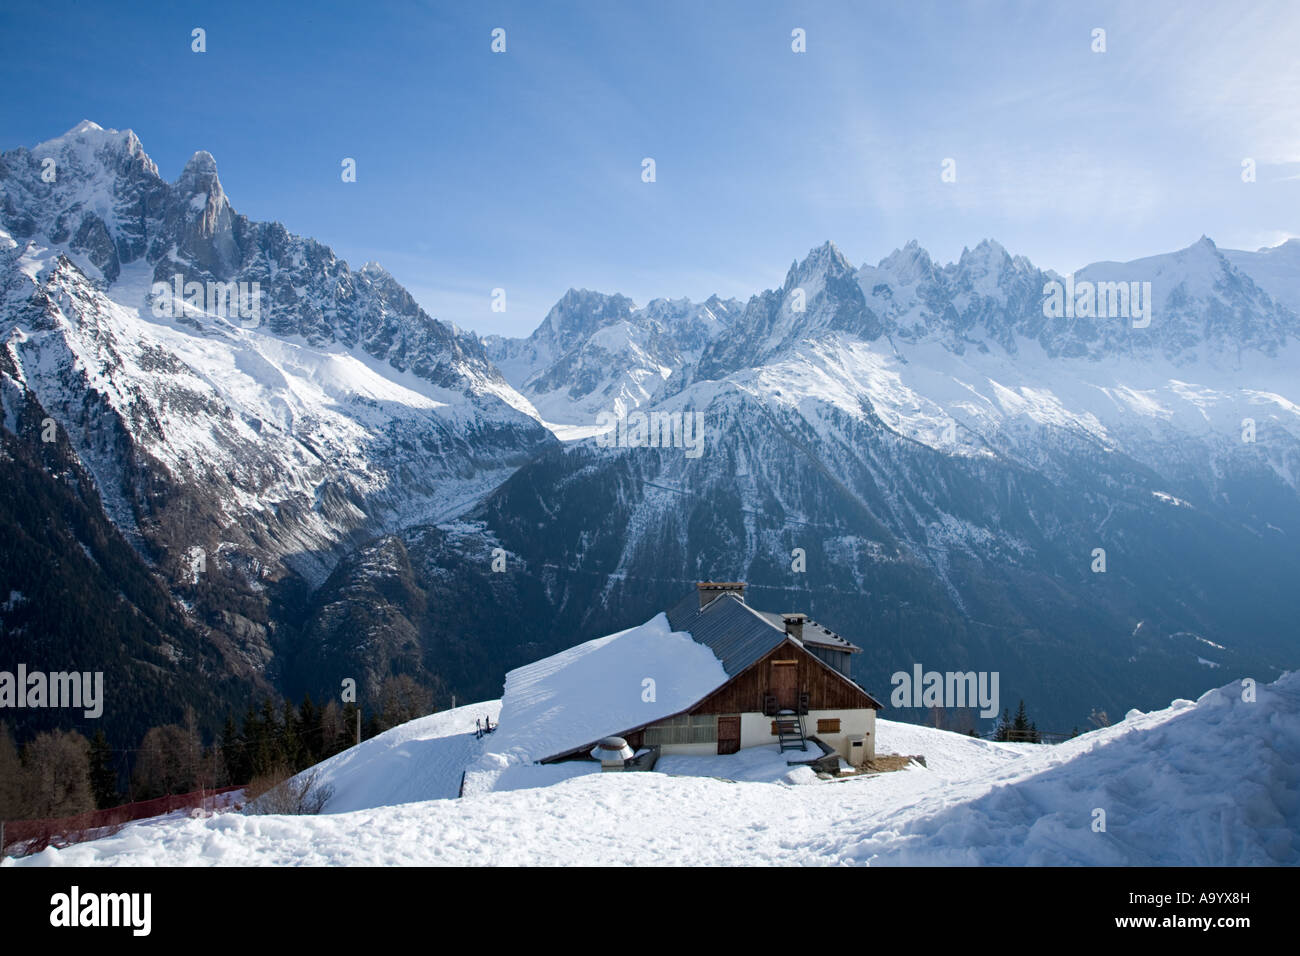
<point x="1003" y="732"/>
<point x="291" y="750"/>
<point x="11" y="778"/>
<point x="103" y="776"/>
<point x="1020" y="724"/>
<point x="234" y="755"/>
<point x="309" y="731"/>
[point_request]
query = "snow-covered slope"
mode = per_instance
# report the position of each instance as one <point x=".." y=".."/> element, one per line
<point x="1213" y="782"/>
<point x="1275" y="269"/>
<point x="419" y="760"/>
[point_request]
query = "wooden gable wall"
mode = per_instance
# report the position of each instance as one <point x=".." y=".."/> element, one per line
<point x="826" y="689"/>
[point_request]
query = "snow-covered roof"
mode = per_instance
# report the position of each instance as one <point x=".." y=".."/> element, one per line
<point x="580" y="695"/>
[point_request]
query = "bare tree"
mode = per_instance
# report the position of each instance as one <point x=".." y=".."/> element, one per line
<point x="168" y="762"/>
<point x="402" y="699"/>
<point x="56" y="775"/>
<point x="302" y="794"/>
<point x="331" y="726"/>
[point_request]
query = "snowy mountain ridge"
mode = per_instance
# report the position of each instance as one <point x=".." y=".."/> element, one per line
<point x="596" y="352"/>
<point x="958" y="471"/>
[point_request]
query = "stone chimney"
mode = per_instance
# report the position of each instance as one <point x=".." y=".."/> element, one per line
<point x="794" y="625"/>
<point x="712" y="589"/>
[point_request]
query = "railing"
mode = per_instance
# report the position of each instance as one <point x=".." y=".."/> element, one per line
<point x="22" y="837"/>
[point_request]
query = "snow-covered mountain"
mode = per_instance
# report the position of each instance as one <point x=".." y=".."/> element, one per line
<point x="596" y="352"/>
<point x="948" y="459"/>
<point x="240" y="453"/>
<point x="1275" y="269"/>
<point x="1204" y="783"/>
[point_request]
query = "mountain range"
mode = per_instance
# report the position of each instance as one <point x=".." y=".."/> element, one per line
<point x="914" y="453"/>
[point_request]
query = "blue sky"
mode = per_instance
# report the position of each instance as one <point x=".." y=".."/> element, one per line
<point x="522" y="170"/>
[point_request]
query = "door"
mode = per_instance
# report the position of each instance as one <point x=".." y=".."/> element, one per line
<point x="784" y="684"/>
<point x="729" y="734"/>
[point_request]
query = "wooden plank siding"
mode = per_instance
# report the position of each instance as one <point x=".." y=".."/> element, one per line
<point x="826" y="689"/>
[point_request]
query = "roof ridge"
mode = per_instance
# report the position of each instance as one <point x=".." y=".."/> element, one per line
<point x="762" y="616"/>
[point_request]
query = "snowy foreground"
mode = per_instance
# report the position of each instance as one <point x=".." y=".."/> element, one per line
<point x="1211" y="782"/>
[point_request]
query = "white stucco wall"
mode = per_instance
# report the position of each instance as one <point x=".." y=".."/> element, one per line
<point x="756" y="729"/>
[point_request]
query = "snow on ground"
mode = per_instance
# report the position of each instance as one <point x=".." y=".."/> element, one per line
<point x="420" y="760"/>
<point x="753" y="764"/>
<point x="1215" y="782"/>
<point x="567" y="433"/>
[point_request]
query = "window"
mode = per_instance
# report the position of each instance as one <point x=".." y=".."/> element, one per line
<point x="686" y="729"/>
<point x="828" y="725"/>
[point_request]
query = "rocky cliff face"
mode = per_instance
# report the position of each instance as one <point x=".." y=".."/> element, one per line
<point x="264" y="448"/>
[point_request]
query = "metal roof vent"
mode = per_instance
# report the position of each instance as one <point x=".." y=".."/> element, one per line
<point x="611" y="752"/>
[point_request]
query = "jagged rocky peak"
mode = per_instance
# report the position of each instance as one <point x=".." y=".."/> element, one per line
<point x="581" y="312"/>
<point x="205" y="217"/>
<point x="824" y="261"/>
<point x="108" y="208"/>
<point x="90" y="138"/>
<point x="200" y="175"/>
<point x="908" y="265"/>
<point x="988" y="258"/>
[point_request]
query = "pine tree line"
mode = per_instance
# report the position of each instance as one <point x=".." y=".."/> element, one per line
<point x="1018" y="729"/>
